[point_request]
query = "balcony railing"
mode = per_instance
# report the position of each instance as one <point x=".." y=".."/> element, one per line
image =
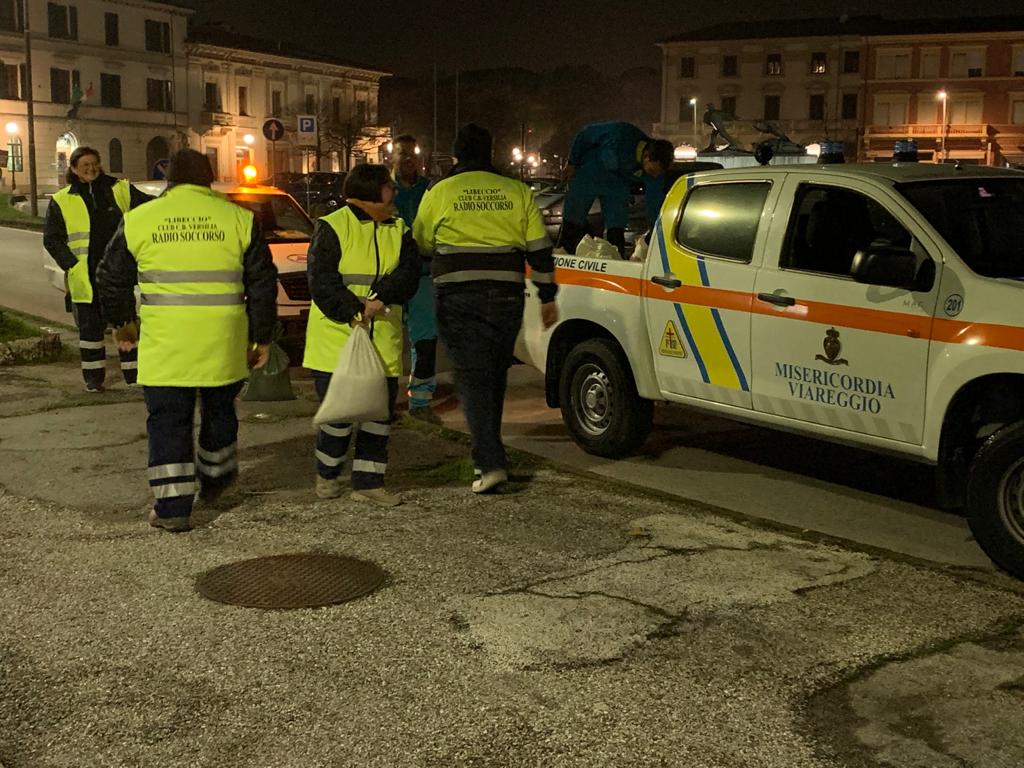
<point x="215" y="117"/>
<point x="959" y="131"/>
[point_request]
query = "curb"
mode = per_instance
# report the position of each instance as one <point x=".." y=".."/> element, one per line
<point x="30" y="226"/>
<point x="37" y="350"/>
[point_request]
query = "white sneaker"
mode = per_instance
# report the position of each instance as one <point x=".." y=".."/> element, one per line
<point x="489" y="481"/>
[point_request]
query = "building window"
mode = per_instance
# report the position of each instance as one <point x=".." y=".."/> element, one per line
<point x="243" y="100"/>
<point x="63" y="21"/>
<point x="1018" y="62"/>
<point x="772" y="107"/>
<point x="851" y="62"/>
<point x="893" y="65"/>
<point x="929" y="65"/>
<point x="773" y="64"/>
<point x="310" y="103"/>
<point x="891" y="109"/>
<point x="362" y="110"/>
<point x="729" y="106"/>
<point x="276" y="103"/>
<point x="158" y="95"/>
<point x="849" y="106"/>
<point x="111" y="24"/>
<point x="965" y="110"/>
<point x="816" y="106"/>
<point x="336" y="110"/>
<point x="9" y="16"/>
<point x="1017" y="112"/>
<point x="110" y="90"/>
<point x="685" y="109"/>
<point x="819" y="63"/>
<point x="730" y="66"/>
<point x="13" y="79"/>
<point x="158" y="36"/>
<point x="967" y="63"/>
<point x="62" y="82"/>
<point x="115" y="160"/>
<point x="688" y="66"/>
<point x="211" y="98"/>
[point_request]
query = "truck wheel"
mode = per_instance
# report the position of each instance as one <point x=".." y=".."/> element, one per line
<point x="600" y="405"/>
<point x="995" y="498"/>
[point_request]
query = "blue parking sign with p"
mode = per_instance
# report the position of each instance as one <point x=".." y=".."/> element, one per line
<point x="307" y="124"/>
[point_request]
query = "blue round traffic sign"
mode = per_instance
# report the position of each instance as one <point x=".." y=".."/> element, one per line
<point x="273" y="129"/>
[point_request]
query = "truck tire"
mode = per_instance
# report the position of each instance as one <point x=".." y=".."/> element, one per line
<point x="600" y="405"/>
<point x="995" y="498"/>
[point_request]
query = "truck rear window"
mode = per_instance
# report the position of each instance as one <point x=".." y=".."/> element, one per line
<point x="281" y="219"/>
<point x="981" y="218"/>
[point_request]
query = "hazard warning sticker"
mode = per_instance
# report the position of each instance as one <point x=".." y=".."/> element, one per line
<point x="671" y="346"/>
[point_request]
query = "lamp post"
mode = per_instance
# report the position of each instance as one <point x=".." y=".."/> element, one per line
<point x="944" y="98"/>
<point x="12" y="131"/>
<point x="693" y="103"/>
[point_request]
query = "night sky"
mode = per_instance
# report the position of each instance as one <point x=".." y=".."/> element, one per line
<point x="612" y="36"/>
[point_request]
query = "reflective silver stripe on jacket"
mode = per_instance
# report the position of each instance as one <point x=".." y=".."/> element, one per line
<point x="446" y="249"/>
<point x="81" y="250"/>
<point x="191" y="276"/>
<point x="472" y="275"/>
<point x="78" y="236"/>
<point x="542" y="277"/>
<point x="192" y="300"/>
<point x="539" y="243"/>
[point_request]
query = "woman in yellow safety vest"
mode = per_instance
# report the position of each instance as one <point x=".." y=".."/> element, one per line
<point x="363" y="265"/>
<point x="80" y="221"/>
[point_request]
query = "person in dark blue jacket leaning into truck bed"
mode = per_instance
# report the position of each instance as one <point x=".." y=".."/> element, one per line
<point x="604" y="161"/>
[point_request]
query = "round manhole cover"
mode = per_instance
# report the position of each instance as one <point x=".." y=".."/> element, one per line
<point x="290" y="581"/>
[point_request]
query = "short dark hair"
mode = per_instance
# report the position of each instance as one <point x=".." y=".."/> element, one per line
<point x="661" y="152"/>
<point x="365" y="181"/>
<point x="70" y="177"/>
<point x="405" y="138"/>
<point x="187" y="166"/>
<point x="473" y="145"/>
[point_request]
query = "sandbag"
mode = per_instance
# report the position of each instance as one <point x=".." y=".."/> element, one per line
<point x="358" y="391"/>
<point x="271" y="382"/>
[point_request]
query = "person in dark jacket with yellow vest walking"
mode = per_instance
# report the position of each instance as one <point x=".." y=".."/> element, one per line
<point x="80" y="221"/>
<point x="363" y="265"/>
<point x="208" y="310"/>
<point x="483" y="229"/>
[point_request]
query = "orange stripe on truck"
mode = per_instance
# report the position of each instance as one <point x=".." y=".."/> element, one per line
<point x="874" y="320"/>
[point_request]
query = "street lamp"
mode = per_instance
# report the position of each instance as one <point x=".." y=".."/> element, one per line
<point x="249" y="139"/>
<point x="693" y="103"/>
<point x="12" y="131"/>
<point x="944" y="98"/>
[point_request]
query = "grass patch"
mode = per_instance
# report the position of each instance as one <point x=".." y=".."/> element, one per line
<point x="454" y="471"/>
<point x="13" y="217"/>
<point x="13" y="326"/>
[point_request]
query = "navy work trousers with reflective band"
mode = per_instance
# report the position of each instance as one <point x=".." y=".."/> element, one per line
<point x="479" y="329"/>
<point x="421" y="324"/>
<point x="173" y="459"/>
<point x="91" y="327"/>
<point x="370" y="461"/>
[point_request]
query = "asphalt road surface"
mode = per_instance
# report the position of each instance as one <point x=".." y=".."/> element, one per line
<point x="23" y="284"/>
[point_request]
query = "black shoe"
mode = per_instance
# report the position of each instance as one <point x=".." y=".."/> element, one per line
<point x="172" y="524"/>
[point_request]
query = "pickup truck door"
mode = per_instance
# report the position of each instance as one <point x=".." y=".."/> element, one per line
<point x="698" y="285"/>
<point x="827" y="349"/>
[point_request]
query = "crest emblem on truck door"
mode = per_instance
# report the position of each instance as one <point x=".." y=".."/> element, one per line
<point x="832" y="347"/>
<point x="671" y="345"/>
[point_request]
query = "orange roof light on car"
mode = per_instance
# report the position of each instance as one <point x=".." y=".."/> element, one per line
<point x="249" y="173"/>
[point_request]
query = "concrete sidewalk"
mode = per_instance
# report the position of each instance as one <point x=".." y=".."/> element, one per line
<point x="565" y="622"/>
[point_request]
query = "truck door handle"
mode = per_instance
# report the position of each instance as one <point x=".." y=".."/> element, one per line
<point x="774" y="298"/>
<point x="667" y="282"/>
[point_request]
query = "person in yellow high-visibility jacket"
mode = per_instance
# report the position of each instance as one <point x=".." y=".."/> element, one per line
<point x="363" y="265"/>
<point x="208" y="311"/>
<point x="80" y="221"/>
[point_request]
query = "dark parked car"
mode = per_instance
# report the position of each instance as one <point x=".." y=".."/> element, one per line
<point x="319" y="193"/>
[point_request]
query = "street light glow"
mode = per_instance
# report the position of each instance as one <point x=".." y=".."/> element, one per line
<point x="693" y="102"/>
<point x="12" y="128"/>
<point x="941" y="95"/>
<point x="249" y="139"/>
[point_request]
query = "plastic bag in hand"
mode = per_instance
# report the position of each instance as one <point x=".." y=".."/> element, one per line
<point x="358" y="391"/>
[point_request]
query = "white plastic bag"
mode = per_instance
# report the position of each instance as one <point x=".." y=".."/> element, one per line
<point x="596" y="248"/>
<point x="640" y="248"/>
<point x="358" y="391"/>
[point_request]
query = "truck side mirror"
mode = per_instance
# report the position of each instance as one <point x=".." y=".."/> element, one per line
<point x="892" y="267"/>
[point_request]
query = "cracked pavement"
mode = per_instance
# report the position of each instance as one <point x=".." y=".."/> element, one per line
<point x="567" y="622"/>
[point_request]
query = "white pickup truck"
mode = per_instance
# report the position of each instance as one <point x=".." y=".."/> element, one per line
<point x="880" y="306"/>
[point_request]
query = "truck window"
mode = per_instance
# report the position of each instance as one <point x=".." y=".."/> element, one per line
<point x="981" y="219"/>
<point x="721" y="219"/>
<point x="830" y="224"/>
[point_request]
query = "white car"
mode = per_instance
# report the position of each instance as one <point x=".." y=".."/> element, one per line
<point x="287" y="230"/>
